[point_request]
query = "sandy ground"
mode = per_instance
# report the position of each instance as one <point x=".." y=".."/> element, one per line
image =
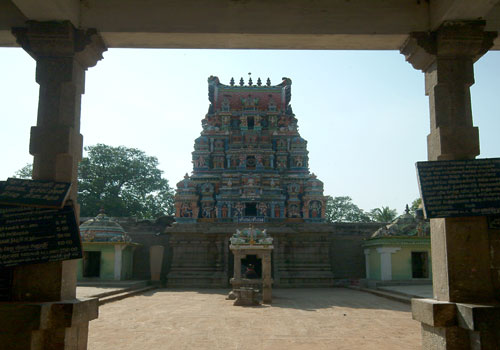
<point x="333" y="318"/>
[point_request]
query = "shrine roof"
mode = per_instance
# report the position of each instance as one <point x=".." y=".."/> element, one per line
<point x="103" y="229"/>
<point x="260" y="96"/>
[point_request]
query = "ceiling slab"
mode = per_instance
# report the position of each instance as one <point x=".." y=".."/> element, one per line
<point x="255" y="41"/>
<point x="50" y="10"/>
<point x="448" y="10"/>
<point x="336" y="18"/>
<point x="250" y="24"/>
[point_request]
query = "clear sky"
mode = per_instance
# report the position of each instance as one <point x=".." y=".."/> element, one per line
<point x="364" y="113"/>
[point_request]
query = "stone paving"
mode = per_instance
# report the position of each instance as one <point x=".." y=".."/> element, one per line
<point x="334" y="318"/>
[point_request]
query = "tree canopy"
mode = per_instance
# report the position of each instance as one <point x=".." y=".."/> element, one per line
<point x="123" y="181"/>
<point x="25" y="172"/>
<point x="415" y="205"/>
<point x="342" y="209"/>
<point x="384" y="214"/>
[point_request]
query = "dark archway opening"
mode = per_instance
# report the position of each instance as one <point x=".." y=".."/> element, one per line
<point x="251" y="209"/>
<point x="91" y="264"/>
<point x="249" y="264"/>
<point x="419" y="264"/>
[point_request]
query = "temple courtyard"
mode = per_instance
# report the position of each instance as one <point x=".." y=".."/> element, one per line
<point x="329" y="318"/>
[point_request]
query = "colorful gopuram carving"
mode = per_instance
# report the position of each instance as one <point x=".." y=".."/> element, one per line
<point x="250" y="163"/>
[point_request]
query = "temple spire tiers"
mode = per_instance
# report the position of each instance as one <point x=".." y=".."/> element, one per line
<point x="250" y="162"/>
<point x="465" y="264"/>
<point x="63" y="53"/>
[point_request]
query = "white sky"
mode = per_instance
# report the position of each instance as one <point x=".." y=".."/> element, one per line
<point x="364" y="113"/>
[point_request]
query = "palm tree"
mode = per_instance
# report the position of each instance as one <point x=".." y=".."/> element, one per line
<point x="384" y="214"/>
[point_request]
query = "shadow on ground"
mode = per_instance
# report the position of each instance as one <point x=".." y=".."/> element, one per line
<point x="308" y="299"/>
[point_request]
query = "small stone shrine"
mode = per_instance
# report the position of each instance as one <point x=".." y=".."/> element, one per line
<point x="400" y="251"/>
<point x="252" y="250"/>
<point x="108" y="251"/>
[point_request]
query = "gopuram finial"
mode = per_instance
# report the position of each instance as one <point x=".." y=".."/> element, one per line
<point x="231" y="82"/>
<point x="268" y="82"/>
<point x="242" y="82"/>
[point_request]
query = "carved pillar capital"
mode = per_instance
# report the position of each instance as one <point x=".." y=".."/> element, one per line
<point x="60" y="39"/>
<point x="466" y="39"/>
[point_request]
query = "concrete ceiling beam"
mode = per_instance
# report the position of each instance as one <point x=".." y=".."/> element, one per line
<point x="10" y="17"/>
<point x="323" y="20"/>
<point x="448" y="10"/>
<point x="250" y="24"/>
<point x="50" y="10"/>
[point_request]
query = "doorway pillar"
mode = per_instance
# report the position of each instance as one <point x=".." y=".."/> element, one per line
<point x="386" y="262"/>
<point x="367" y="263"/>
<point x="462" y="314"/>
<point x="118" y="261"/>
<point x="266" y="277"/>
<point x="45" y="313"/>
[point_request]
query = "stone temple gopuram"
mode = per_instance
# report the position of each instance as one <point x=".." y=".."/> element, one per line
<point x="250" y="163"/>
<point x="250" y="167"/>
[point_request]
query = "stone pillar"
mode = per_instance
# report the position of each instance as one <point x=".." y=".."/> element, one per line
<point x="46" y="314"/>
<point x="386" y="262"/>
<point x="118" y="261"/>
<point x="461" y="250"/>
<point x="237" y="264"/>
<point x="266" y="278"/>
<point x="367" y="263"/>
<point x="156" y="261"/>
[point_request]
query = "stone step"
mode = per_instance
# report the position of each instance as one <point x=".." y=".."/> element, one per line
<point x="124" y="294"/>
<point x="388" y="295"/>
<point x="112" y="284"/>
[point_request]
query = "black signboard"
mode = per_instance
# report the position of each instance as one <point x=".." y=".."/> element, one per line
<point x="34" y="193"/>
<point x="460" y="187"/>
<point x="32" y="236"/>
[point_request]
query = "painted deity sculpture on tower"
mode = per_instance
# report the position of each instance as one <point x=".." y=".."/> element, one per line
<point x="250" y="164"/>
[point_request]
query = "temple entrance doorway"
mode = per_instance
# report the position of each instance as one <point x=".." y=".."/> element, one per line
<point x="91" y="264"/>
<point x="251" y="262"/>
<point x="419" y="264"/>
<point x="251" y="209"/>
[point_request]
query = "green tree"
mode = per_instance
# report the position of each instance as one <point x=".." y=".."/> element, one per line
<point x="342" y="209"/>
<point x="25" y="172"/>
<point x="123" y="181"/>
<point x="384" y="214"/>
<point x="415" y="205"/>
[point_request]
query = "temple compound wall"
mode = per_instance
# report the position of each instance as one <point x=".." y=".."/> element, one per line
<point x="305" y="255"/>
<point x="198" y="255"/>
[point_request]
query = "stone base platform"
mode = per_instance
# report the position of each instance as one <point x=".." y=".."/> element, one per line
<point x="305" y="254"/>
